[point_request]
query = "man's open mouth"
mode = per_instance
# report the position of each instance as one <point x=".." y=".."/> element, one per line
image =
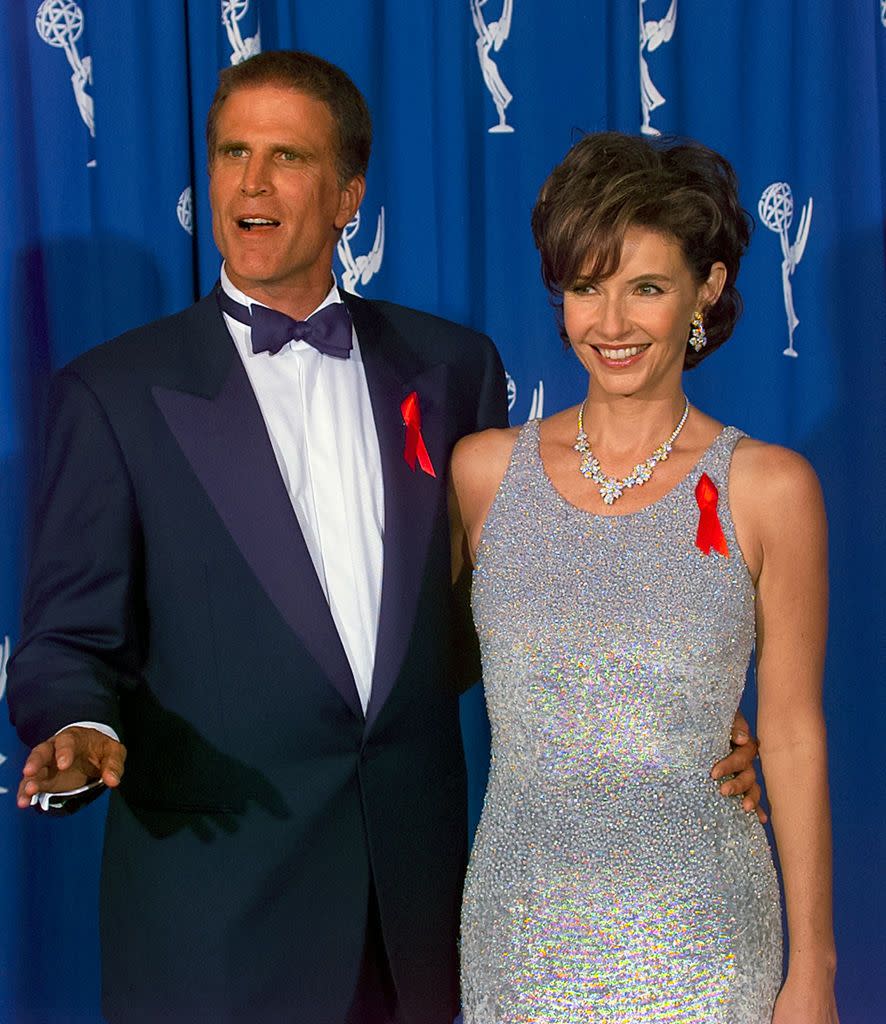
<point x="248" y="223"/>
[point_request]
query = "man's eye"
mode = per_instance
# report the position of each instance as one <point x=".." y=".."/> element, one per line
<point x="234" y="151"/>
<point x="288" y="156"/>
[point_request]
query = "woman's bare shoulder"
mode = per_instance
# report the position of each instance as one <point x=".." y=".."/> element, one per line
<point x="773" y="471"/>
<point x="484" y="455"/>
<point x="774" y="487"/>
<point x="479" y="463"/>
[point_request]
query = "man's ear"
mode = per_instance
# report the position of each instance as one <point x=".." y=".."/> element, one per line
<point x="349" y="202"/>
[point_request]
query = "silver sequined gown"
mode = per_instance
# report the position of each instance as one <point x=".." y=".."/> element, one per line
<point x="609" y="880"/>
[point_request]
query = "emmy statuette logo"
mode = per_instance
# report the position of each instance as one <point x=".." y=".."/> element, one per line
<point x="652" y="35"/>
<point x="536" y="408"/>
<point x="490" y="38"/>
<point x="184" y="210"/>
<point x="4" y="658"/>
<point x="360" y="269"/>
<point x="232" y="13"/>
<point x="776" y="209"/>
<point x="883" y="11"/>
<point x="511" y="385"/>
<point x="60" y="23"/>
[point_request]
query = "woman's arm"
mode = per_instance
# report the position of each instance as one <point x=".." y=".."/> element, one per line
<point x="477" y="468"/>
<point x="780" y="504"/>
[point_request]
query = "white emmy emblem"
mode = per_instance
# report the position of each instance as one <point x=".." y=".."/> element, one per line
<point x="537" y="409"/>
<point x="511" y="385"/>
<point x="4" y="658"/>
<point x="776" y="209"/>
<point x="185" y="210"/>
<point x="242" y="49"/>
<point x="883" y="11"/>
<point x="60" y="23"/>
<point x="491" y="37"/>
<point x="652" y="35"/>
<point x="360" y="269"/>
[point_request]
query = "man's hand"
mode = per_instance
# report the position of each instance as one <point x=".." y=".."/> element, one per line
<point x="740" y="764"/>
<point x="74" y="758"/>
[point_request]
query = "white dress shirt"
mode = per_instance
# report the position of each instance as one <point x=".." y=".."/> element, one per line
<point x="318" y="416"/>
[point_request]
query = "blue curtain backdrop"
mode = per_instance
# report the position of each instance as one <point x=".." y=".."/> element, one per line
<point x="104" y="224"/>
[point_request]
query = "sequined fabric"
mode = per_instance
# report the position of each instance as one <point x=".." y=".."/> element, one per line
<point x="609" y="880"/>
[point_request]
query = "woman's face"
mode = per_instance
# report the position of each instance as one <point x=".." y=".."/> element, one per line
<point x="630" y="330"/>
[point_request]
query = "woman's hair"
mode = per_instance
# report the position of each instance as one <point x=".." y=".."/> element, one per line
<point x="609" y="182"/>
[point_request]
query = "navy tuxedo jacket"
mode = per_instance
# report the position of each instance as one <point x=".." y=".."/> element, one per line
<point x="171" y="595"/>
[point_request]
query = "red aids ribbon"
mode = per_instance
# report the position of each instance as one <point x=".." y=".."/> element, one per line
<point x="415" y="443"/>
<point x="710" y="532"/>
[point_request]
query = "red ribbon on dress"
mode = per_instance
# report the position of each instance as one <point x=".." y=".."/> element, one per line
<point x="710" y="532"/>
<point x="415" y="443"/>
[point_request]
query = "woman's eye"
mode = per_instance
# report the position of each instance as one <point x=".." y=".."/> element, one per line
<point x="648" y="289"/>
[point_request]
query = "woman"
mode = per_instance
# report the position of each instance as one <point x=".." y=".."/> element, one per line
<point x="627" y="551"/>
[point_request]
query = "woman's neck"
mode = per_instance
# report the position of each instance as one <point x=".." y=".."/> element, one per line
<point x="622" y="427"/>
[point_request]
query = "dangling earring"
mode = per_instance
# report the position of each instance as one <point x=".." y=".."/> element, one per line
<point x="697" y="337"/>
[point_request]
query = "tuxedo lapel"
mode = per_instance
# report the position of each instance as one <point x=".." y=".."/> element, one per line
<point x="411" y="497"/>
<point x="217" y="423"/>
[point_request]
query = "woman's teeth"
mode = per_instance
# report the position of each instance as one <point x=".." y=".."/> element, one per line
<point x="620" y="354"/>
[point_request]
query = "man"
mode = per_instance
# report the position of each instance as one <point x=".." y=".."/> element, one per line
<point x="242" y="572"/>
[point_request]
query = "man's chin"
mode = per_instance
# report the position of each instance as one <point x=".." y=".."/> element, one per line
<point x="249" y="276"/>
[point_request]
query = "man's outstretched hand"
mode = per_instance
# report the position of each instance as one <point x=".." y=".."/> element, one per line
<point x="74" y="758"/>
<point x="740" y="764"/>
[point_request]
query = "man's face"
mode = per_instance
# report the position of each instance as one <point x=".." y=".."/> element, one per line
<point x="277" y="204"/>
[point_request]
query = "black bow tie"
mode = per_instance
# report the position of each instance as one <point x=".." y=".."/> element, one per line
<point x="328" y="330"/>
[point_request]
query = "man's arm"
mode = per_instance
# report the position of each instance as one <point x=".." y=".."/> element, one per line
<point x="740" y="765"/>
<point x="79" y="637"/>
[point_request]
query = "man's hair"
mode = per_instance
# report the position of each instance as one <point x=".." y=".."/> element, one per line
<point x="608" y="183"/>
<point x="307" y="73"/>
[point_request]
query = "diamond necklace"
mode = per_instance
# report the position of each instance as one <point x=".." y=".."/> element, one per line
<point x="610" y="487"/>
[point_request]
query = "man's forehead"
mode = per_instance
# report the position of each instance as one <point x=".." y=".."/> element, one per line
<point x="262" y="94"/>
<point x="279" y="108"/>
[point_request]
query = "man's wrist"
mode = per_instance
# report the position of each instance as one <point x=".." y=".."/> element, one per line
<point x="105" y="730"/>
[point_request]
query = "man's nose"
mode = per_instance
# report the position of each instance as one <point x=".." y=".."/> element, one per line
<point x="256" y="180"/>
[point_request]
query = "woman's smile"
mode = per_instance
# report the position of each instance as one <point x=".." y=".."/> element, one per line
<point x="616" y="357"/>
